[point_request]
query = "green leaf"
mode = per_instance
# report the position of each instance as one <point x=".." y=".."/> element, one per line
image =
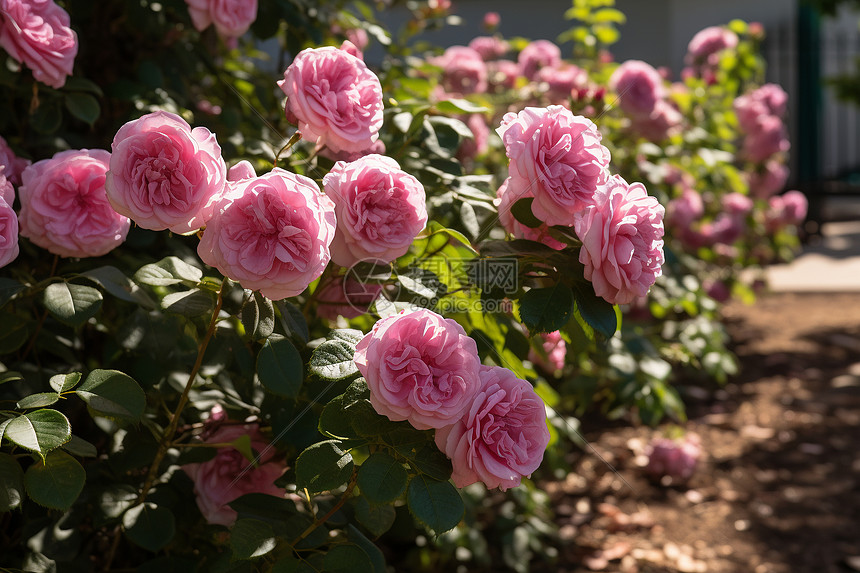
<point x="334" y="421"/>
<point x="436" y="504"/>
<point x="377" y="519"/>
<point x="470" y="219"/>
<point x="382" y="479"/>
<point x="251" y="538"/>
<point x="81" y="448"/>
<point x="522" y="212"/>
<point x="150" y="526"/>
<point x="3" y="426"/>
<point x="117" y="284"/>
<point x="192" y="302"/>
<point x="258" y="317"/>
<point x="78" y="84"/>
<point x="169" y="271"/>
<point x="351" y="336"/>
<point x="70" y="303"/>
<point x="347" y="558"/>
<point x="39" y="400"/>
<point x="333" y="360"/>
<point x="15" y="332"/>
<point x="65" y="382"/>
<point x="291" y="564"/>
<point x="376" y="557"/>
<point x="293" y="321"/>
<point x="419" y="448"/>
<point x="56" y="482"/>
<point x="11" y="483"/>
<point x="83" y="106"/>
<point x="8" y="289"/>
<point x="263" y="507"/>
<point x="10" y="376"/>
<point x="39" y="431"/>
<point x="323" y="466"/>
<point x="598" y="313"/>
<point x="457" y="106"/>
<point x="112" y="394"/>
<point x="280" y="367"/>
<point x="546" y="309"/>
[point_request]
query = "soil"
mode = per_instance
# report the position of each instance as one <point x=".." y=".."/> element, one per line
<point x="778" y="487"/>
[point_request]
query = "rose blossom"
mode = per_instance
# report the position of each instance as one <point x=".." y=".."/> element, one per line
<point x="380" y="209"/>
<point x="229" y="475"/>
<point x="708" y="42"/>
<point x="639" y="87"/>
<point x="7" y="192"/>
<point x="787" y="209"/>
<point x="347" y="297"/>
<point x="736" y="204"/>
<point x="502" y="436"/>
<point x="8" y="225"/>
<point x="771" y="179"/>
<point x="163" y="174"/>
<point x="271" y="233"/>
<point x="676" y="459"/>
<point x="231" y="18"/>
<point x="64" y="207"/>
<point x="502" y="74"/>
<point x="766" y="139"/>
<point x="14" y="165"/>
<point x="504" y="202"/>
<point x="561" y="80"/>
<point x="479" y="142"/>
<point x="463" y="70"/>
<point x="554" y="351"/>
<point x="622" y="241"/>
<point x="489" y="47"/>
<point x="351" y="49"/>
<point x="420" y="367"/>
<point x="769" y="99"/>
<point x="556" y="156"/>
<point x="491" y="20"/>
<point x="538" y="54"/>
<point x="358" y="37"/>
<point x="37" y="34"/>
<point x="726" y="228"/>
<point x="658" y="126"/>
<point x="684" y="210"/>
<point x="335" y="98"/>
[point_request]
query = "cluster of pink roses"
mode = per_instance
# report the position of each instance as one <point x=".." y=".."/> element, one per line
<point x="554" y="350"/>
<point x="37" y="33"/>
<point x="423" y="368"/>
<point x="760" y="117"/>
<point x="557" y="159"/>
<point x="704" y="52"/>
<point x="231" y="18"/>
<point x="641" y="94"/>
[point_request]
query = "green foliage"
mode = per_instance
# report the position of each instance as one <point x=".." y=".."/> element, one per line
<point x="112" y="394"/>
<point x="323" y="467"/>
<point x="434" y="503"/>
<point x="55" y="481"/>
<point x="150" y="526"/>
<point x="279" y="367"/>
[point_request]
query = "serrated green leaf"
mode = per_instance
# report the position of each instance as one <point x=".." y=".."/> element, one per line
<point x="72" y="304"/>
<point x="65" y="382"/>
<point x="251" y="538"/>
<point x="323" y="466"/>
<point x="381" y="478"/>
<point x="115" y="282"/>
<point x="347" y="558"/>
<point x="56" y="482"/>
<point x="546" y="309"/>
<point x="150" y="526"/>
<point x="419" y="448"/>
<point x="11" y="483"/>
<point x="83" y="106"/>
<point x="258" y="317"/>
<point x="169" y="271"/>
<point x="280" y="367"/>
<point x="80" y="447"/>
<point x="598" y="313"/>
<point x="436" y="504"/>
<point x="470" y="219"/>
<point x="334" y="421"/>
<point x="457" y="106"/>
<point x="351" y="336"/>
<point x="39" y="400"/>
<point x="333" y="360"/>
<point x="377" y="519"/>
<point x="39" y="431"/>
<point x="192" y="302"/>
<point x="112" y="394"/>
<point x="293" y="321"/>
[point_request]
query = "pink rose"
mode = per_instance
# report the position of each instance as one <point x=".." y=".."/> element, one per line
<point x="241" y="171"/>
<point x="420" y="367"/>
<point x="505" y="202"/>
<point x="726" y="228"/>
<point x="538" y="54"/>
<point x="554" y="352"/>
<point x="676" y="459"/>
<point x="8" y="228"/>
<point x="685" y="209"/>
<point x="491" y="20"/>
<point x="736" y="204"/>
<point x="351" y="49"/>
<point x="7" y="192"/>
<point x="231" y="18"/>
<point x="37" y="34"/>
<point x="14" y="165"/>
<point x="163" y="174"/>
<point x="479" y="143"/>
<point x="766" y="139"/>
<point x="64" y="207"/>
<point x="347" y="297"/>
<point x="639" y="87"/>
<point x="556" y="156"/>
<point x="561" y="80"/>
<point x="463" y="71"/>
<point x="787" y="209"/>
<point x="501" y="437"/>
<point x="271" y="233"/>
<point x="358" y="37"/>
<point x="717" y="290"/>
<point x="660" y="124"/>
<point x="229" y="475"/>
<point x="769" y="99"/>
<point x="502" y="74"/>
<point x="489" y="47"/>
<point x="769" y="180"/>
<point x="336" y="99"/>
<point x="380" y="209"/>
<point x="709" y="42"/>
<point x="622" y="241"/>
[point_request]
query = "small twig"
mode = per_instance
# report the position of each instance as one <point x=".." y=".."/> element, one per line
<point x="292" y="141"/>
<point x="114" y="545"/>
<point x="346" y="495"/>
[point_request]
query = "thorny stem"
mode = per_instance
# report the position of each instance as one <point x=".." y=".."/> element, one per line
<point x="343" y="499"/>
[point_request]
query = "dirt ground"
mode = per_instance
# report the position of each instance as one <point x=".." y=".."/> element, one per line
<point x="778" y="490"/>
